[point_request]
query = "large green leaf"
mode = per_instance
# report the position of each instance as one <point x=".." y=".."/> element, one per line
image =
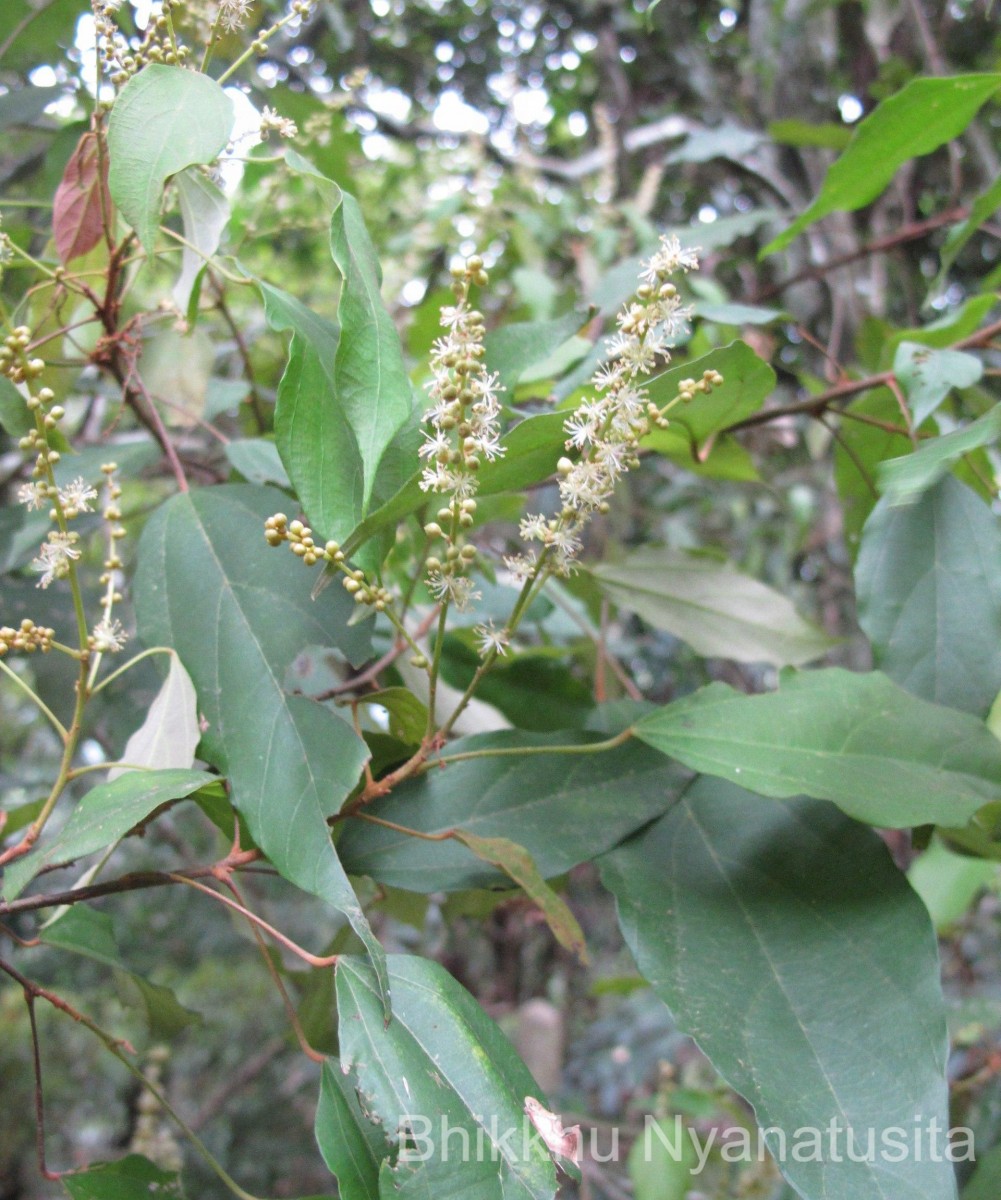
<point x="130" y="1178"/>
<point x="925" y="114"/>
<point x="563" y="808"/>
<point x="353" y="1146"/>
<point x="165" y="119"/>
<point x="443" y="1061"/>
<point x="104" y="815"/>
<point x="785" y="941"/>
<point x="290" y="760"/>
<point x="904" y="479"/>
<point x="370" y="380"/>
<point x="879" y="753"/>
<point x="712" y="606"/>
<point x="928" y="583"/>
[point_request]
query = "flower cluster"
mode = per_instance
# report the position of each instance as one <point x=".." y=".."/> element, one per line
<point x="464" y="432"/>
<point x="604" y="432"/>
<point x="27" y="637"/>
<point x="299" y="536"/>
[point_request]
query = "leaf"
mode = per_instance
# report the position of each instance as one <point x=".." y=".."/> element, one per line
<point x="515" y="861"/>
<point x="81" y="201"/>
<point x="408" y="716"/>
<point x="15" y="416"/>
<point x="662" y="1163"/>
<point x="130" y="1178"/>
<point x="258" y="461"/>
<point x="104" y="816"/>
<point x="169" y="735"/>
<point x="441" y="1057"/>
<point x="371" y="384"/>
<point x="290" y="761"/>
<point x="739" y="314"/>
<point x="982" y="209"/>
<point x="532" y="450"/>
<point x="85" y="931"/>
<point x="925" y="114"/>
<point x="927" y="376"/>
<point x="792" y="132"/>
<point x="954" y="325"/>
<point x="904" y="480"/>
<point x="312" y="431"/>
<point x="712" y="606"/>
<point x="928" y="587"/>
<point x="565" y="809"/>
<point x="747" y="381"/>
<point x="948" y="883"/>
<point x="513" y="349"/>
<point x="726" y="141"/>
<point x="204" y="214"/>
<point x="353" y="1146"/>
<point x="785" y="941"/>
<point x="985" y="1183"/>
<point x="879" y="753"/>
<point x="164" y="119"/>
<point x="859" y="450"/>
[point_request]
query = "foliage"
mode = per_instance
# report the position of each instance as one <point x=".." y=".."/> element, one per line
<point x="487" y="525"/>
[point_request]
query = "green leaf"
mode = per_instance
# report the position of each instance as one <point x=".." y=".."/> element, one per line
<point x="904" y="480"/>
<point x="39" y="30"/>
<point x="352" y="1145"/>
<point x="164" y="119"/>
<point x="533" y="448"/>
<point x="408" y="716"/>
<point x="371" y="385"/>
<point x="786" y="942"/>
<point x="85" y="931"/>
<point x="859" y="450"/>
<point x="803" y="133"/>
<point x="712" y="606"/>
<point x="15" y="416"/>
<point x="982" y="209"/>
<point x="130" y="1178"/>
<point x="312" y="431"/>
<point x="747" y="381"/>
<point x="169" y="735"/>
<point x="879" y="753"/>
<point x="565" y="809"/>
<point x="928" y="586"/>
<point x="290" y="761"/>
<point x="513" y="349"/>
<point x="925" y="114"/>
<point x="258" y="461"/>
<point x="662" y="1163"/>
<point x="443" y="1060"/>
<point x="948" y="882"/>
<point x="516" y="862"/>
<point x="739" y="314"/>
<point x="204" y="214"/>
<point x="104" y="816"/>
<point x="927" y="376"/>
<point x="951" y="327"/>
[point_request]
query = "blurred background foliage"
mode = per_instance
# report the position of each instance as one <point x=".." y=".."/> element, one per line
<point x="557" y="140"/>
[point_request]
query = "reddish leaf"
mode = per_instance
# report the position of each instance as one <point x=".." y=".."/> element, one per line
<point x="77" y="213"/>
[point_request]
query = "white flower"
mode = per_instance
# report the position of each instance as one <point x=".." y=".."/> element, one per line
<point x="520" y="566"/>
<point x="534" y="528"/>
<point x="670" y="257"/>
<point x="76" y="497"/>
<point x="232" y="13"/>
<point x="53" y="559"/>
<point x="491" y="640"/>
<point x="452" y="589"/>
<point x="108" y="636"/>
<point x="272" y="120"/>
<point x="33" y="495"/>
